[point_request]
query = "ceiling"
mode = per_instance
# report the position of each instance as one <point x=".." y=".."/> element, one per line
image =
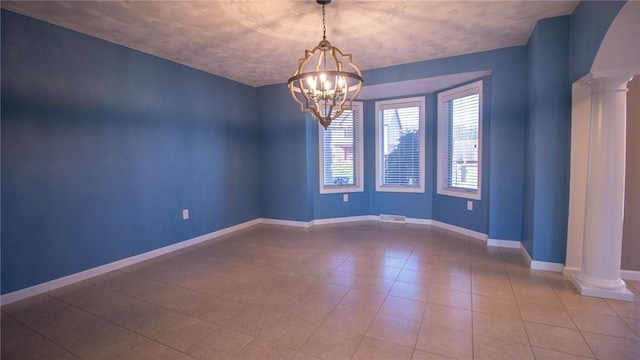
<point x="258" y="42"/>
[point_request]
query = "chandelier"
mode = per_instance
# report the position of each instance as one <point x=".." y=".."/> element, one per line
<point x="320" y="84"/>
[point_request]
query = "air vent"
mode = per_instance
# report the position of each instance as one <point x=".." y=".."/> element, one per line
<point x="393" y="218"/>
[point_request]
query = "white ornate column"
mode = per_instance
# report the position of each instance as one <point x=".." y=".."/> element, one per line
<point x="602" y="246"/>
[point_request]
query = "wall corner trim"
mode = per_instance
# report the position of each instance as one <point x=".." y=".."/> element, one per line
<point x="540" y="265"/>
<point x="512" y="244"/>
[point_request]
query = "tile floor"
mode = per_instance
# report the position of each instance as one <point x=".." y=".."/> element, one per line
<point x="353" y="291"/>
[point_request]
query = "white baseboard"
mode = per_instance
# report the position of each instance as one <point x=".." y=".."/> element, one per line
<point x="284" y="222"/>
<point x="570" y="271"/>
<point x="460" y="230"/>
<point x="416" y="221"/>
<point x="103" y="269"/>
<point x="630" y="275"/>
<point x="511" y="244"/>
<point x="343" y="220"/>
<point x="540" y="265"/>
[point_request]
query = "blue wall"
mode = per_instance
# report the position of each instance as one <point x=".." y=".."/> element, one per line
<point x="589" y="23"/>
<point x="103" y="146"/>
<point x="548" y="135"/>
<point x="498" y="213"/>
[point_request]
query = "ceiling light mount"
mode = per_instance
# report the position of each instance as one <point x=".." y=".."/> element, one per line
<point x="326" y="81"/>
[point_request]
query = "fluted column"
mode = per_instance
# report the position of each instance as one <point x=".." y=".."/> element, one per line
<point x="604" y="213"/>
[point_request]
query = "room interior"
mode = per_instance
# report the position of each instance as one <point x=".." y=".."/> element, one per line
<point x="117" y="117"/>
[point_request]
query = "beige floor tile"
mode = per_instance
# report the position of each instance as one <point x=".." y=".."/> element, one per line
<point x="423" y="355"/>
<point x="311" y="309"/>
<point x="492" y="288"/>
<point x="446" y="342"/>
<point x="79" y="293"/>
<point x="364" y="300"/>
<point x="586" y="304"/>
<point x="289" y="331"/>
<point x="349" y="318"/>
<point x="485" y="348"/>
<point x="330" y="343"/>
<point x="452" y="298"/>
<point x="252" y="320"/>
<point x="131" y="313"/>
<point x="546" y="314"/>
<point x="602" y="324"/>
<point x="148" y="350"/>
<point x="496" y="306"/>
<point x="502" y="328"/>
<point x="373" y="284"/>
<point x="447" y="316"/>
<point x="219" y="344"/>
<point x="402" y="307"/>
<point x="626" y="309"/>
<point x="27" y="345"/>
<point x="302" y="356"/>
<point x="546" y="354"/>
<point x="259" y="349"/>
<point x="375" y="349"/>
<point x="403" y="286"/>
<point x="558" y="339"/>
<point x="613" y="348"/>
<point x="327" y="291"/>
<point x="394" y="329"/>
<point x="184" y="333"/>
<point x="634" y="324"/>
<point x="411" y="291"/>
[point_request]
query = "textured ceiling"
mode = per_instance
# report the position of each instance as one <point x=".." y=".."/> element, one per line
<point x="258" y="42"/>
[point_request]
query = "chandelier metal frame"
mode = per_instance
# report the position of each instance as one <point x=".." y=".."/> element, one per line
<point x="320" y="84"/>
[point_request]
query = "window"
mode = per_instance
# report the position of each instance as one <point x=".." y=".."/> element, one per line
<point x="341" y="152"/>
<point x="400" y="145"/>
<point x="460" y="141"/>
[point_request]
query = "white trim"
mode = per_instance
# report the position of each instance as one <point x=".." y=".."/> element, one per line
<point x="540" y="265"/>
<point x="443" y="140"/>
<point x="285" y="222"/>
<point x="511" y="244"/>
<point x="460" y="230"/>
<point x="103" y="269"/>
<point x="630" y="275"/>
<point x="358" y="157"/>
<point x="343" y="220"/>
<point x="427" y="222"/>
<point x="418" y="101"/>
<point x="568" y="270"/>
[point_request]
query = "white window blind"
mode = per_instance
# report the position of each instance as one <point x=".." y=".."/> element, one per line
<point x="341" y="153"/>
<point x="400" y="137"/>
<point x="459" y="141"/>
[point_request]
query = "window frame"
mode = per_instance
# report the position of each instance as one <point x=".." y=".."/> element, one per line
<point x="443" y="99"/>
<point x="380" y="138"/>
<point x="358" y="156"/>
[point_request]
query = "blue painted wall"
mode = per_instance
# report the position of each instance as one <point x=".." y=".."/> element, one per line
<point x="284" y="177"/>
<point x="548" y="135"/>
<point x="498" y="213"/>
<point x="103" y="146"/>
<point x="589" y="23"/>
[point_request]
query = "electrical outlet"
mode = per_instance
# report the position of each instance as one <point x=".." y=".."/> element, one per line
<point x="470" y="205"/>
<point x="185" y="214"/>
<point x="345" y="197"/>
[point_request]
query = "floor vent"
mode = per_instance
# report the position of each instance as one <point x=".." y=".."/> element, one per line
<point x="393" y="218"/>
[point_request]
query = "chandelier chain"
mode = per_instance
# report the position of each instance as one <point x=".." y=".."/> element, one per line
<point x="324" y="25"/>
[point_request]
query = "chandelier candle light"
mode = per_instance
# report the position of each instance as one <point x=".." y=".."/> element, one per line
<point x="320" y="84"/>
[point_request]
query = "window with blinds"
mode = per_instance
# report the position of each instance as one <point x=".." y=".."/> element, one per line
<point x="459" y="141"/>
<point x="341" y="153"/>
<point x="400" y="145"/>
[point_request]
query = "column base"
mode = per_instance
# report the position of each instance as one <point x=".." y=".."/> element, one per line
<point x="616" y="290"/>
